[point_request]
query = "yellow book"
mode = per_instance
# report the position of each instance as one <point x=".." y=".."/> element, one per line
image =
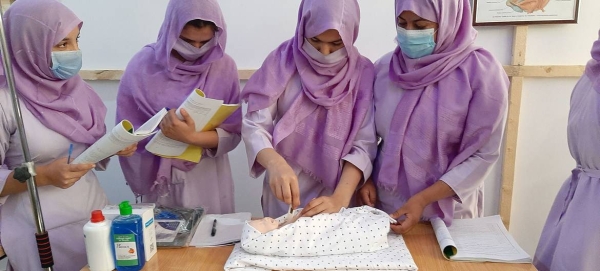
<point x="207" y="113"/>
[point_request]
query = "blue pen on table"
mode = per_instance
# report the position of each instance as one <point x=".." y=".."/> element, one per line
<point x="214" y="228"/>
<point x="70" y="152"/>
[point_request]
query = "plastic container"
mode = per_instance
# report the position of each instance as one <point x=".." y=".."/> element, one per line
<point x="128" y="240"/>
<point x="97" y="243"/>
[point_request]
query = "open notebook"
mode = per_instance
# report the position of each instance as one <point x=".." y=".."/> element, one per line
<point x="478" y="240"/>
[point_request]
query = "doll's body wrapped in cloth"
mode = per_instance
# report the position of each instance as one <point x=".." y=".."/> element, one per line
<point x="352" y="230"/>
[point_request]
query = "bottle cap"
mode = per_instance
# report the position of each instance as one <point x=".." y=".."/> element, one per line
<point x="97" y="216"/>
<point x="125" y="208"/>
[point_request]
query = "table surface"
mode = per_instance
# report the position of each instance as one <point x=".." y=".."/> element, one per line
<point x="420" y="240"/>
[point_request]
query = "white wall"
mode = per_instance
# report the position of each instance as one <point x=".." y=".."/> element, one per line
<point x="114" y="30"/>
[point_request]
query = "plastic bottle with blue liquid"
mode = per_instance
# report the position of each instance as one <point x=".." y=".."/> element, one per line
<point x="128" y="240"/>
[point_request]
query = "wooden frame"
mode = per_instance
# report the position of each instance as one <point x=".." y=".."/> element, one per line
<point x="507" y="13"/>
<point x="546" y="71"/>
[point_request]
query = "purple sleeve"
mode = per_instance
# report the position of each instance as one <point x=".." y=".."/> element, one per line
<point x="364" y="148"/>
<point x="229" y="131"/>
<point x="468" y="175"/>
<point x="257" y="132"/>
<point x="227" y="142"/>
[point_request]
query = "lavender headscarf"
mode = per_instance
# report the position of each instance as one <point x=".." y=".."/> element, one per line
<point x="320" y="126"/>
<point x="592" y="70"/>
<point x="155" y="79"/>
<point x="453" y="99"/>
<point x="69" y="107"/>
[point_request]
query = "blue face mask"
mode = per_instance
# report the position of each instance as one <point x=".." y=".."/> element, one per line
<point x="66" y="64"/>
<point x="416" y="43"/>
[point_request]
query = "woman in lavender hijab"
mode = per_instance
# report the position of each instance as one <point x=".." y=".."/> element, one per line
<point x="58" y="108"/>
<point x="440" y="109"/>
<point x="571" y="235"/>
<point x="309" y="120"/>
<point x="189" y="54"/>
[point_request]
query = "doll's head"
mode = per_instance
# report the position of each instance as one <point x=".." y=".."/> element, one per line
<point x="264" y="225"/>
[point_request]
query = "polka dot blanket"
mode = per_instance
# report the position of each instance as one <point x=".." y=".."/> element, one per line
<point x="395" y="257"/>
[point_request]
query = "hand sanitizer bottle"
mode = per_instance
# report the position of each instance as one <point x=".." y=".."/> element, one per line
<point x="128" y="239"/>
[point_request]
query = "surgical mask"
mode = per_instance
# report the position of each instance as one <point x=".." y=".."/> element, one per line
<point x="332" y="58"/>
<point x="190" y="52"/>
<point x="66" y="64"/>
<point x="416" y="43"/>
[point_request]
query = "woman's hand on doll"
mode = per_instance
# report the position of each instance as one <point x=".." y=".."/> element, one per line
<point x="367" y="194"/>
<point x="129" y="151"/>
<point x="411" y="211"/>
<point x="284" y="182"/>
<point x="324" y="205"/>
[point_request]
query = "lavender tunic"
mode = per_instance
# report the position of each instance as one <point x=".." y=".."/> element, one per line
<point x="466" y="179"/>
<point x="155" y="79"/>
<point x="257" y="131"/>
<point x="571" y="235"/>
<point x="65" y="211"/>
<point x="450" y="116"/>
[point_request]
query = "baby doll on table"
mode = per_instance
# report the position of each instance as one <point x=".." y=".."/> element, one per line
<point x="352" y="230"/>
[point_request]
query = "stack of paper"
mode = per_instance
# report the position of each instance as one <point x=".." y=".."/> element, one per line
<point x="228" y="230"/>
<point x="478" y="240"/>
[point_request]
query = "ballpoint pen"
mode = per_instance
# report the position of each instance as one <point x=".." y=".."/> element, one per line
<point x="214" y="228"/>
<point x="70" y="152"/>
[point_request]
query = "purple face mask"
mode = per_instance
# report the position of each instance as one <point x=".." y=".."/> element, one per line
<point x="332" y="58"/>
<point x="191" y="53"/>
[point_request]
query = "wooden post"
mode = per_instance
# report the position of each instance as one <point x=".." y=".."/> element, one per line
<point x="512" y="124"/>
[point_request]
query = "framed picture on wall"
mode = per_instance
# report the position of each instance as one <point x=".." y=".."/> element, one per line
<point x="514" y="12"/>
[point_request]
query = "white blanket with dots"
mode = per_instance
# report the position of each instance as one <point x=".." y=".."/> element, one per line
<point x="395" y="257"/>
<point x="353" y="239"/>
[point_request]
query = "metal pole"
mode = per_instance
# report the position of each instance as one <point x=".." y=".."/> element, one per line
<point x="42" y="239"/>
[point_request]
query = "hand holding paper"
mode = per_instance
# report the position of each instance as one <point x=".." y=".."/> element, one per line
<point x="178" y="125"/>
<point x="206" y="114"/>
<point x="128" y="151"/>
